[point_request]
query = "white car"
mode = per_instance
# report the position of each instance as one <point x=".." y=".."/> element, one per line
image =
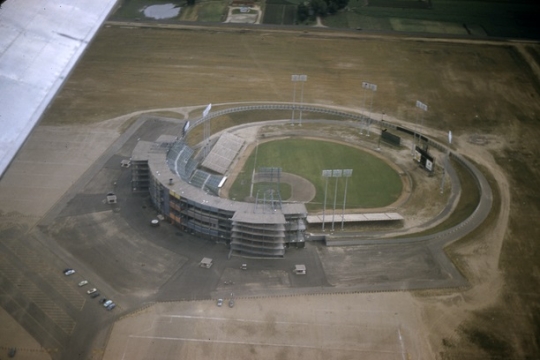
<point x="91" y="291"/>
<point x="69" y="272"/>
<point x="219" y="302"/>
<point x="84" y="282"/>
<point x="107" y="303"/>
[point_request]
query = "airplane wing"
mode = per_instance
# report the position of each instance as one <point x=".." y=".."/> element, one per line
<point x="40" y="43"/>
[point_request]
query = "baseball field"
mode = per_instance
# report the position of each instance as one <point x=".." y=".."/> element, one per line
<point x="485" y="92"/>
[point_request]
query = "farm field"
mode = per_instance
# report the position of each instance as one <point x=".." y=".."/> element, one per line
<point x="486" y="93"/>
<point x="455" y="17"/>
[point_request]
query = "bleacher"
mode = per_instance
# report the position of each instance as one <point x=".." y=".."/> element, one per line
<point x="223" y="153"/>
<point x="181" y="161"/>
<point x="199" y="178"/>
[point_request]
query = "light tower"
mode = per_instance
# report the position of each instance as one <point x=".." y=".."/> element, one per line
<point x="423" y="107"/>
<point x="373" y="87"/>
<point x="295" y="79"/>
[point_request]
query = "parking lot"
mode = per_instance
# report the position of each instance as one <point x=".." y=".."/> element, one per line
<point x="294" y="327"/>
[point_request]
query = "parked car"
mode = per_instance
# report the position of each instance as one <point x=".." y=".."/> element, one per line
<point x="231" y="301"/>
<point x="107" y="303"/>
<point x="219" y="302"/>
<point x="82" y="283"/>
<point x="103" y="301"/>
<point x="111" y="306"/>
<point x="68" y="272"/>
<point x="94" y="295"/>
<point x="91" y="291"/>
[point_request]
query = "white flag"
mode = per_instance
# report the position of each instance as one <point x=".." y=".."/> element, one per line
<point x="207" y="110"/>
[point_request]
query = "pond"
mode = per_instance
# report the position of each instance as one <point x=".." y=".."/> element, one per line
<point x="164" y="11"/>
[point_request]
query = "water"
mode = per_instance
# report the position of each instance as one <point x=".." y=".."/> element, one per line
<point x="165" y="11"/>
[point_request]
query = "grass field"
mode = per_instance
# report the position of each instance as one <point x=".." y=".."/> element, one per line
<point x="496" y="18"/>
<point x="193" y="68"/>
<point x="373" y="183"/>
<point x="279" y="12"/>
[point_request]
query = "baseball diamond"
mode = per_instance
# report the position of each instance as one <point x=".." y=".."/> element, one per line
<point x="186" y="192"/>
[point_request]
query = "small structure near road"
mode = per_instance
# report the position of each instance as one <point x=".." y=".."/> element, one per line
<point x="300" y="269"/>
<point x="111" y="198"/>
<point x="206" y="263"/>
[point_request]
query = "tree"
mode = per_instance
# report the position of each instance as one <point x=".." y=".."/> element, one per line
<point x="302" y="12"/>
<point x="319" y="7"/>
<point x="341" y="4"/>
<point x="332" y="7"/>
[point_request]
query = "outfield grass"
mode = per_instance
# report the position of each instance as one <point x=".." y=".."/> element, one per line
<point x="373" y="183"/>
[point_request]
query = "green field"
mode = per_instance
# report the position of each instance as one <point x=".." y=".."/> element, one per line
<point x="373" y="182"/>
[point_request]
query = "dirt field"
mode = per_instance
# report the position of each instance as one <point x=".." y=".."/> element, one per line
<point x="486" y="93"/>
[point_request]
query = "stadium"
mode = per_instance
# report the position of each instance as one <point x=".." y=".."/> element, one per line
<point x="184" y="183"/>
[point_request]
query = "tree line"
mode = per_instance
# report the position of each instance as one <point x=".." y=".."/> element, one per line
<point x="314" y="8"/>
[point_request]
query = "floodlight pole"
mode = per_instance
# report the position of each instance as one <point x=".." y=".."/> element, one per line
<point x="368" y="86"/>
<point x="324" y="205"/>
<point x="336" y="174"/>
<point x="295" y="79"/>
<point x="347" y="173"/>
<point x="365" y="87"/>
<point x="303" y="78"/>
<point x="380" y="135"/>
<point x="447" y="158"/>
<point x="334" y="209"/>
<point x="423" y="107"/>
<point x="326" y="174"/>
<point x="414" y="136"/>
<point x="373" y="88"/>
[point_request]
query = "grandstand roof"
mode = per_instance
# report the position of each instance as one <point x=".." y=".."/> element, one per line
<point x="223" y="153"/>
<point x="387" y="216"/>
<point x="160" y="146"/>
<point x="253" y="215"/>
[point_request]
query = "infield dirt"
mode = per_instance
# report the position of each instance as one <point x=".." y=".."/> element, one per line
<point x="486" y="93"/>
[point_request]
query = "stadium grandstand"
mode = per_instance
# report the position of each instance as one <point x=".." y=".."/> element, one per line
<point x="184" y="187"/>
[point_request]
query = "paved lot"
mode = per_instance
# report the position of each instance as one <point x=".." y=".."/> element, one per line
<point x="297" y="327"/>
<point x="53" y="159"/>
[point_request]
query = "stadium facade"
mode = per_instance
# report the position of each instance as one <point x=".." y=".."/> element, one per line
<point x="184" y="187"/>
